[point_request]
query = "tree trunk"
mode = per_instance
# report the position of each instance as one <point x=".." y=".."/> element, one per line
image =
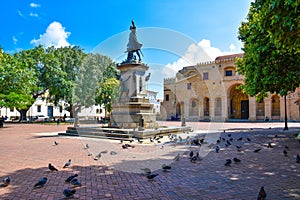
<point x="285" y="115"/>
<point x="23" y="116"/>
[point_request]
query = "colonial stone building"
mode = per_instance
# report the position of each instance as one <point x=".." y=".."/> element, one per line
<point x="209" y="91"/>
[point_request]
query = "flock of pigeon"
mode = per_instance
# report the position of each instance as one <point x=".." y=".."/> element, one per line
<point x="227" y="141"/>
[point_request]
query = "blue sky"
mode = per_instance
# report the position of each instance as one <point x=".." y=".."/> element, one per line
<point x="174" y="33"/>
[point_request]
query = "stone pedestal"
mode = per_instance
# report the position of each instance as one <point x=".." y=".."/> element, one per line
<point x="133" y="102"/>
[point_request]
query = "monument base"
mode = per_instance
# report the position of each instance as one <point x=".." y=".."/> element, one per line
<point x="128" y="115"/>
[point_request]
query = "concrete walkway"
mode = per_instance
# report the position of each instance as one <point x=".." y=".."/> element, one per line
<point x="27" y="149"/>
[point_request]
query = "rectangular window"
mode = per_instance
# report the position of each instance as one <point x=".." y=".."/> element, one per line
<point x="228" y="73"/>
<point x="39" y="108"/>
<point x="205" y="76"/>
<point x="167" y="97"/>
<point x="189" y="86"/>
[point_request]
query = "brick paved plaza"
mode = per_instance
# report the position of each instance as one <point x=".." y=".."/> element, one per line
<point x="27" y="149"/>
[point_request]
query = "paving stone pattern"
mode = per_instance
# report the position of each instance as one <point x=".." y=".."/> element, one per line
<point x="26" y="150"/>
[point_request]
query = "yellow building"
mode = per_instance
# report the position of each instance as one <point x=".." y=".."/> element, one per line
<point x="208" y="91"/>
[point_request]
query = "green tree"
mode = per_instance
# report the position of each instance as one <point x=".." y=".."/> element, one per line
<point x="271" y="48"/>
<point x="108" y="93"/>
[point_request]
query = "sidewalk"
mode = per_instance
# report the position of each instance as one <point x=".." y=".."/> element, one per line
<point x="26" y="150"/>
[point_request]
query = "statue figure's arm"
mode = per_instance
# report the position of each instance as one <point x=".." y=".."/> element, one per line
<point x="132" y="22"/>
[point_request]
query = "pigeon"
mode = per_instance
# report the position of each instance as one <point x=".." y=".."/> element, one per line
<point x="55" y="143"/>
<point x="248" y="139"/>
<point x="218" y="141"/>
<point x="223" y="139"/>
<point x="113" y="153"/>
<point x="201" y="140"/>
<point x="98" y="156"/>
<point x="231" y="139"/>
<point x="41" y="183"/>
<point x="90" y="154"/>
<point x="146" y="170"/>
<point x="240" y="139"/>
<point x="270" y="145"/>
<point x="229" y="135"/>
<point x="285" y="153"/>
<point x="256" y="150"/>
<point x="52" y="168"/>
<point x="87" y="146"/>
<point x="166" y="167"/>
<point x="238" y="147"/>
<point x="121" y="141"/>
<point x="69" y="192"/>
<point x="194" y="159"/>
<point x="68" y="180"/>
<point x="6" y="181"/>
<point x="124" y="146"/>
<point x="191" y="154"/>
<point x="262" y="194"/>
<point x="297" y="158"/>
<point x="75" y="182"/>
<point x="226" y="145"/>
<point x="67" y="164"/>
<point x="151" y="176"/>
<point x="217" y="149"/>
<point x="236" y="160"/>
<point x="105" y="151"/>
<point x="286" y="147"/>
<point x="228" y="142"/>
<point x="177" y="157"/>
<point x="228" y="162"/>
<point x="151" y="140"/>
<point x="161" y="136"/>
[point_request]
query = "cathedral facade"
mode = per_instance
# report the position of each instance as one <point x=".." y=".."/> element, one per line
<point x="209" y="92"/>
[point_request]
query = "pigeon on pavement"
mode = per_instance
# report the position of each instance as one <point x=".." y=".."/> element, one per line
<point x="256" y="150"/>
<point x="52" y="168"/>
<point x="69" y="192"/>
<point x="236" y="160"/>
<point x="297" y="158"/>
<point x="146" y="170"/>
<point x="151" y="176"/>
<point x="67" y="164"/>
<point x="262" y="194"/>
<point x="6" y="181"/>
<point x="228" y="162"/>
<point x="41" y="183"/>
<point x="98" y="156"/>
<point x="217" y="149"/>
<point x="68" y="180"/>
<point x="75" y="182"/>
<point x="56" y="143"/>
<point x="285" y="153"/>
<point x="166" y="167"/>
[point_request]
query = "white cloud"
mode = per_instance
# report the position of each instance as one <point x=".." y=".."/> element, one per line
<point x="34" y="5"/>
<point x="196" y="53"/>
<point x="20" y="13"/>
<point x="33" y="14"/>
<point x="232" y="47"/>
<point x="15" y="40"/>
<point x="55" y="35"/>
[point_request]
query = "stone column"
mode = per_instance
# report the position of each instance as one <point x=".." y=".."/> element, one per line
<point x="252" y="108"/>
<point x="268" y="107"/>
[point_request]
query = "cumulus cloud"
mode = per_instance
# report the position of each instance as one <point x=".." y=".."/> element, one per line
<point x="34" y="5"/>
<point x="55" y="35"/>
<point x="196" y="53"/>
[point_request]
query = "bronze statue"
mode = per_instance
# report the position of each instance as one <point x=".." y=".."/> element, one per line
<point x="133" y="45"/>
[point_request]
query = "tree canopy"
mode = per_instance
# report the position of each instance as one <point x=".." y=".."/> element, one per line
<point x="65" y="73"/>
<point x="271" y="38"/>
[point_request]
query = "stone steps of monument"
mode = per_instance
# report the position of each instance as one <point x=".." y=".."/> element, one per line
<point x="98" y="133"/>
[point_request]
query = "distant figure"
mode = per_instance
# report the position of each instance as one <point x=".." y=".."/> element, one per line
<point x="133" y="45"/>
<point x="64" y="118"/>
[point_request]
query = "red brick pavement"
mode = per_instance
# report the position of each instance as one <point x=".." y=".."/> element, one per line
<point x="25" y="157"/>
